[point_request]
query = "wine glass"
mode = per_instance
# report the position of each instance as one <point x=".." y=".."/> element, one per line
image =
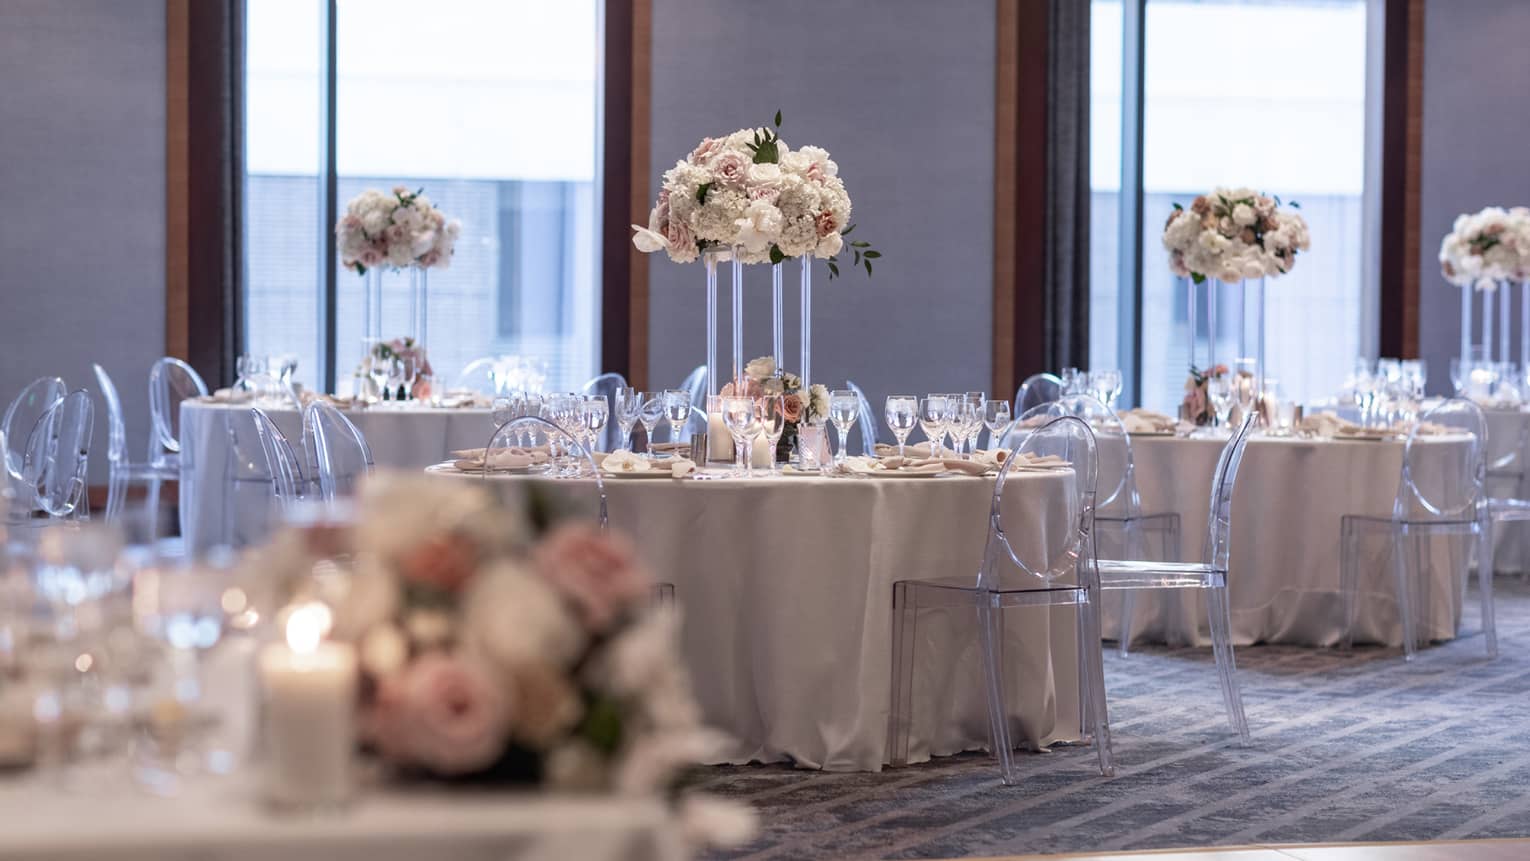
<point x="738" y="417"/>
<point x="1245" y="376"/>
<point x="932" y="420"/>
<point x="677" y="408"/>
<point x="1219" y="390"/>
<point x="1107" y="385"/>
<point x="1073" y="381"/>
<point x="651" y="413"/>
<point x="996" y="417"/>
<point x="902" y="414"/>
<point x="593" y="415"/>
<point x="770" y="418"/>
<point x="974" y="427"/>
<point x="1458" y="374"/>
<point x="844" y="408"/>
<point x="628" y="406"/>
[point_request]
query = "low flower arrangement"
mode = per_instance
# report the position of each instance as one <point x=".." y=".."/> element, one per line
<point x="396" y="230"/>
<point x="1234" y="234"/>
<point x="406" y="352"/>
<point x="1486" y="247"/>
<point x="762" y="377"/>
<point x="751" y="191"/>
<point x="1196" y="407"/>
<point x="491" y="651"/>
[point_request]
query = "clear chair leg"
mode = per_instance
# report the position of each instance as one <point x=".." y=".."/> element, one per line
<point x="153" y="504"/>
<point x="900" y="716"/>
<point x="998" y="724"/>
<point x="1485" y="586"/>
<point x="1348" y="586"/>
<point x="1092" y="682"/>
<point x="1404" y="602"/>
<point x="1219" y="613"/>
<point x="1129" y="596"/>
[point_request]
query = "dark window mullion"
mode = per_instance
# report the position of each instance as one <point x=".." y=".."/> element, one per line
<point x="1129" y="284"/>
<point x="328" y="202"/>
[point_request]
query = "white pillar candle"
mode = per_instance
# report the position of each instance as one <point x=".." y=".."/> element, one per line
<point x="762" y="454"/>
<point x="310" y="713"/>
<point x="719" y="441"/>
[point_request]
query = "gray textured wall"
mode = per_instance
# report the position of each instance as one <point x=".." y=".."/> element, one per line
<point x="901" y="93"/>
<point x="1476" y="124"/>
<point x="82" y="185"/>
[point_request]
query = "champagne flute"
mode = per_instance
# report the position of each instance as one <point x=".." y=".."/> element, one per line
<point x="738" y="416"/>
<point x="844" y="408"/>
<point x="627" y="406"/>
<point x="677" y="408"/>
<point x="902" y="414"/>
<point x="651" y="413"/>
<point x="932" y="420"/>
<point x="770" y="415"/>
<point x="996" y="416"/>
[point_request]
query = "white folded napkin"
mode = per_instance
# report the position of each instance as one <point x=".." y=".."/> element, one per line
<point x="229" y="396"/>
<point x="1328" y="424"/>
<point x="917" y="449"/>
<point x="1147" y="421"/>
<point x="622" y="461"/>
<point x="501" y="460"/>
<point x="681" y="467"/>
<point x="1030" y="461"/>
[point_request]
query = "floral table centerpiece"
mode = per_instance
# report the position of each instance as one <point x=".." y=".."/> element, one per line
<point x="401" y="230"/>
<point x="1233" y="236"/>
<point x="398" y="370"/>
<point x="748" y="197"/>
<point x="801" y="405"/>
<point x="1483" y="250"/>
<point x="494" y="651"/>
<point x="1196" y="407"/>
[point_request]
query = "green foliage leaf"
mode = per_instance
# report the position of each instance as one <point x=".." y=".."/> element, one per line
<point x="602" y="725"/>
<point x="833" y="268"/>
<point x="846" y="231"/>
<point x="873" y="254"/>
<point x="778" y="119"/>
<point x="1178" y="208"/>
<point x="701" y="192"/>
<point x="1197" y="277"/>
<point x="868" y="268"/>
<point x="775" y="254"/>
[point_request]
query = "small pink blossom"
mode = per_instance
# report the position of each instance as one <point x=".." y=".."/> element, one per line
<point x="677" y="234"/>
<point x="825" y="223"/>
<point x="731" y="168"/>
<point x="597" y="572"/>
<point x="443" y="713"/>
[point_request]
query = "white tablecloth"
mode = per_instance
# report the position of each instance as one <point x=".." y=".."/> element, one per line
<point x="225" y="822"/>
<point x="407" y="437"/>
<point x="1506" y="431"/>
<point x="1284" y="573"/>
<point x="786" y="588"/>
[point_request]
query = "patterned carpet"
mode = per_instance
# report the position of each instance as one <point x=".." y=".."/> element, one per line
<point x="1347" y="746"/>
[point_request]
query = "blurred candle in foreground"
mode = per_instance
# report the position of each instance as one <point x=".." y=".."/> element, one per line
<point x="309" y="687"/>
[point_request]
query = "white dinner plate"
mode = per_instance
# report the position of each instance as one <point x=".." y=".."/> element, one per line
<point x="652" y="473"/>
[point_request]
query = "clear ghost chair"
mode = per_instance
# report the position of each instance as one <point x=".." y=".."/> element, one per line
<point x="35" y="401"/>
<point x="480" y="376"/>
<point x="1455" y="468"/>
<point x="606" y="385"/>
<point x="170" y="382"/>
<point x="696" y="384"/>
<point x="1036" y="390"/>
<point x="1118" y="507"/>
<point x="1507" y="489"/>
<point x="121" y="470"/>
<point x="514" y="434"/>
<point x="58" y="451"/>
<point x="1209" y="575"/>
<point x="281" y="462"/>
<point x="1008" y="577"/>
<point x="867" y="423"/>
<point x="338" y="454"/>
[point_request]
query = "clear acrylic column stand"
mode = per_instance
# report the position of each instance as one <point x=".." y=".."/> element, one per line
<point x="738" y="318"/>
<point x="419" y="305"/>
<point x="777" y="312"/>
<point x="1503" y="322"/>
<point x="806" y="370"/>
<point x="1251" y="335"/>
<point x="709" y="260"/>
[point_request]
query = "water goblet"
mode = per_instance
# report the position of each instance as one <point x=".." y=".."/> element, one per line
<point x="770" y="418"/>
<point x="627" y="406"/>
<point x="974" y="427"/>
<point x="677" y="409"/>
<point x="650" y="414"/>
<point x="1245" y="380"/>
<point x="1073" y="381"/>
<point x="1219" y="390"/>
<point x="902" y="414"/>
<point x="844" y="409"/>
<point x="996" y="417"/>
<point x="595" y="413"/>
<point x="738" y="418"/>
<point x="932" y="420"/>
<point x="1107" y="385"/>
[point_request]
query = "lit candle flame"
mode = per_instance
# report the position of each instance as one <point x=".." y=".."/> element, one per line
<point x="306" y="626"/>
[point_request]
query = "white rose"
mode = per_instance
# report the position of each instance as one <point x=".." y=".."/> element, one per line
<point x="514" y="617"/>
<point x="761" y="368"/>
<point x="765" y="175"/>
<point x="375" y="221"/>
<point x="760" y="226"/>
<point x="829" y="245"/>
<point x="1243" y="215"/>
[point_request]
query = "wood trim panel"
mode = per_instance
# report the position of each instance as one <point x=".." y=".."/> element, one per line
<point x="624" y="189"/>
<point x="1005" y="169"/>
<point x="1402" y="141"/>
<point x="1028" y="296"/>
<point x="177" y="276"/>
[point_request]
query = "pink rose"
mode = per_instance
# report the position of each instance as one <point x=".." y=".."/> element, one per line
<point x="791" y="408"/>
<point x="825" y="223"/>
<point x="444" y="562"/>
<point x="597" y="572"/>
<point x="731" y="168"/>
<point x="443" y="713"/>
<point x="370" y="258"/>
<point x="705" y="150"/>
<point x="677" y="234"/>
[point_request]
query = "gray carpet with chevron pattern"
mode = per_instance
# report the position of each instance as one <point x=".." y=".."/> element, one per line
<point x="1348" y="746"/>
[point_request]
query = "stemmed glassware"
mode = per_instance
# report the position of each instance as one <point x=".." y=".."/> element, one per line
<point x="844" y="408"/>
<point x="650" y="414"/>
<point x="628" y="406"/>
<point x="1244" y="382"/>
<point x="677" y="408"/>
<point x="1074" y="382"/>
<point x="902" y="414"/>
<point x="1106" y="385"/>
<point x="974" y="426"/>
<point x="996" y="417"/>
<point x="738" y="417"/>
<point x="932" y="420"/>
<point x="593" y="414"/>
<point x="1219" y="391"/>
<point x="770" y="418"/>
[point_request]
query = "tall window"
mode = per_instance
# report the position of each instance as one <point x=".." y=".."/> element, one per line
<point x="490" y="106"/>
<point x="1224" y="103"/>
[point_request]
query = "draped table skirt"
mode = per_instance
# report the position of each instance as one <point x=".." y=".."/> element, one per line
<point x="785" y="585"/>
<point x="1283" y="580"/>
<point x="215" y="510"/>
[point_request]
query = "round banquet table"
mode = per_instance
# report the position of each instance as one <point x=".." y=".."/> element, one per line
<point x="1283" y="579"/>
<point x="214" y="512"/>
<point x="785" y="585"/>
